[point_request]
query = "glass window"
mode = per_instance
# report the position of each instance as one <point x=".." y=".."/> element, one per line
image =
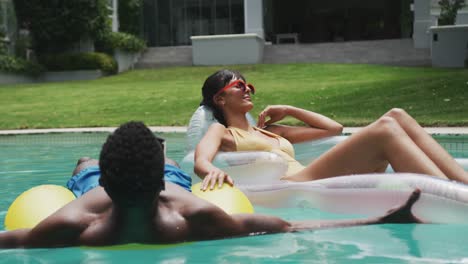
<point x="175" y="21"/>
<point x="207" y="13"/>
<point x="222" y="21"/>
<point x="3" y="19"/>
<point x="237" y="16"/>
<point x="193" y="17"/>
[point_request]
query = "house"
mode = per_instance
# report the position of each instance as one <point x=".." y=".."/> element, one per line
<point x="7" y="24"/>
<point x="426" y="13"/>
<point x="243" y="27"/>
<point x="173" y="22"/>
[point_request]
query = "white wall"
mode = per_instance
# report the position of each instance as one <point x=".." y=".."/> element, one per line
<point x="253" y="17"/>
<point x="449" y="46"/>
<point x="426" y="14"/>
<point x="227" y="49"/>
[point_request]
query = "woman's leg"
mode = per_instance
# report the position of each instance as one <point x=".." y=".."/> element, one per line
<point x="429" y="146"/>
<point x="370" y="150"/>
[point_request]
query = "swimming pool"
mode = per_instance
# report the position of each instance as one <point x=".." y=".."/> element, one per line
<point x="30" y="160"/>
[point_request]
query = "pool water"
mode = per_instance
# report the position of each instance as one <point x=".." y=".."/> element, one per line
<point x="30" y="160"/>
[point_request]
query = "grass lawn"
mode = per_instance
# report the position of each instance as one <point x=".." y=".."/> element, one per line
<point x="351" y="94"/>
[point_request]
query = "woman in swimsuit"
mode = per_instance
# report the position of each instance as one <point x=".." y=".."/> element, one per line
<point x="395" y="138"/>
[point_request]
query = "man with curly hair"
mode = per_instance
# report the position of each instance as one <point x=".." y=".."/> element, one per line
<point x="135" y="205"/>
<point x="87" y="173"/>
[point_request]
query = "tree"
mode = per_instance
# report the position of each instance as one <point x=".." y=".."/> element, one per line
<point x="130" y="16"/>
<point x="55" y="25"/>
<point x="449" y="10"/>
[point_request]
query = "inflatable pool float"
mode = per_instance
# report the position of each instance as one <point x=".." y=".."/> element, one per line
<point x="308" y="151"/>
<point x="230" y="199"/>
<point x="441" y="201"/>
<point x="39" y="202"/>
<point x="258" y="174"/>
<point x="35" y="204"/>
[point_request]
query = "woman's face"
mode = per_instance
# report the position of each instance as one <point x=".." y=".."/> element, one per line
<point x="237" y="95"/>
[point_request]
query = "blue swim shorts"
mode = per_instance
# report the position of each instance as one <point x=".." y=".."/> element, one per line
<point x="84" y="181"/>
<point x="177" y="176"/>
<point x="88" y="178"/>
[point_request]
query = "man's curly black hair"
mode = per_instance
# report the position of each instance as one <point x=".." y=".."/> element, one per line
<point x="132" y="165"/>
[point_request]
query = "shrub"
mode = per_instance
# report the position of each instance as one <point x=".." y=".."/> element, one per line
<point x="12" y="64"/>
<point x="122" y="41"/>
<point x="23" y="43"/>
<point x="449" y="10"/>
<point x="58" y="24"/>
<point x="3" y="47"/>
<point x="80" y="61"/>
<point x="18" y="65"/>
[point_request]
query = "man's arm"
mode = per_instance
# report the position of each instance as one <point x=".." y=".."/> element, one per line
<point x="52" y="236"/>
<point x="398" y="215"/>
<point x="211" y="222"/>
<point x="13" y="239"/>
<point x="57" y="230"/>
<point x="257" y="224"/>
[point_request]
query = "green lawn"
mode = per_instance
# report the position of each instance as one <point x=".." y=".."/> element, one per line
<point x="351" y="94"/>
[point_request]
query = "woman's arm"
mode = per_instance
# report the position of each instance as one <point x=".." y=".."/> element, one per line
<point x="204" y="155"/>
<point x="318" y="126"/>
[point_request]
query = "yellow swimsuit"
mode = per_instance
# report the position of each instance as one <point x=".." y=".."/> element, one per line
<point x="247" y="142"/>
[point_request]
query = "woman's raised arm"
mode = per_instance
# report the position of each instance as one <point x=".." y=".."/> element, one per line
<point x="318" y="126"/>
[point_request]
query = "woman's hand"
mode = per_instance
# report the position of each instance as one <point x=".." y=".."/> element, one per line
<point x="216" y="175"/>
<point x="317" y="125"/>
<point x="275" y="113"/>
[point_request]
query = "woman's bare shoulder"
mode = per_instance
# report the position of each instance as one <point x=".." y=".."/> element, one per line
<point x="219" y="130"/>
<point x="217" y="127"/>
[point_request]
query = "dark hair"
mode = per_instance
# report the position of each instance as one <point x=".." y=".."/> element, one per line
<point x="212" y="85"/>
<point x="132" y="165"/>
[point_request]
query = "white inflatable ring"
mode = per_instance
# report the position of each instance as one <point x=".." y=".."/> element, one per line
<point x="368" y="194"/>
<point x="257" y="174"/>
<point x="256" y="167"/>
<point x="245" y="167"/>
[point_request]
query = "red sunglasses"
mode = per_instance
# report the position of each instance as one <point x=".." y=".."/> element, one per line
<point x="240" y="84"/>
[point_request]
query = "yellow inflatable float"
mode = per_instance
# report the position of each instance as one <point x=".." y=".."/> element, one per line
<point x="230" y="199"/>
<point x="37" y="203"/>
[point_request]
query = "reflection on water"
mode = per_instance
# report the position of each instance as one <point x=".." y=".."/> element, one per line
<point x="370" y="244"/>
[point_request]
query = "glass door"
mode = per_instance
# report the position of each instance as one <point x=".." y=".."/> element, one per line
<point x="173" y="22"/>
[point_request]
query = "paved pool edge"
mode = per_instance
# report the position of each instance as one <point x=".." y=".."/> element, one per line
<point x="181" y="129"/>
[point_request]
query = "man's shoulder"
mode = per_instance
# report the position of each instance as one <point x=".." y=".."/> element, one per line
<point x="94" y="200"/>
<point x="84" y="210"/>
<point x="88" y="217"/>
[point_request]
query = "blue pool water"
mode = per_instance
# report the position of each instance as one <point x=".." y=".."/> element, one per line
<point x="30" y="160"/>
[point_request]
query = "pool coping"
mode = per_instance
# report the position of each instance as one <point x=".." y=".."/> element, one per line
<point x="182" y="129"/>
